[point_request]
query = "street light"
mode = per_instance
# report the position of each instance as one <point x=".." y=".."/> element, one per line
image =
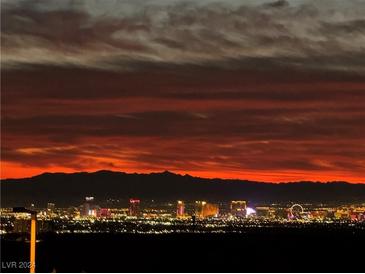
<point x="33" y="230"/>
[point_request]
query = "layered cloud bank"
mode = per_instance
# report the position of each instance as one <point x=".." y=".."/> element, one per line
<point x="254" y="89"/>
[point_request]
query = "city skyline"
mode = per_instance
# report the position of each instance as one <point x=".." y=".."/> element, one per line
<point x="258" y="90"/>
<point x="182" y="136"/>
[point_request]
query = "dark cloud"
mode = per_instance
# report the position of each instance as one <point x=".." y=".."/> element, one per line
<point x="182" y="82"/>
<point x="347" y="28"/>
<point x="246" y="124"/>
<point x="277" y="4"/>
<point x="274" y="88"/>
<point x="182" y="32"/>
<point x="64" y="30"/>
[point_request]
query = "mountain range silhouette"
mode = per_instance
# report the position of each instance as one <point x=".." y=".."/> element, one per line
<point x="66" y="189"/>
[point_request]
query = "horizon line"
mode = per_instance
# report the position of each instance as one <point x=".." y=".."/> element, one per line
<point x="179" y="174"/>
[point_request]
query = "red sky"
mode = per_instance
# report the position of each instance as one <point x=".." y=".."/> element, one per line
<point x="212" y="91"/>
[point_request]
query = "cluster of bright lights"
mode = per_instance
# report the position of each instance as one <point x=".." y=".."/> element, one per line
<point x="163" y="221"/>
<point x="250" y="211"/>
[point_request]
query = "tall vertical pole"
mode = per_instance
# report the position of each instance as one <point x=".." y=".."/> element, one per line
<point x="33" y="231"/>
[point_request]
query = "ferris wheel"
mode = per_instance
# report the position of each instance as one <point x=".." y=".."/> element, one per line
<point x="296" y="211"/>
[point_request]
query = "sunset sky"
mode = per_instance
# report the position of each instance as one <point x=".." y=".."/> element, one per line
<point x="259" y="90"/>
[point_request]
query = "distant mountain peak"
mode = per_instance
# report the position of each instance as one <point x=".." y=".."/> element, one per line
<point x="71" y="188"/>
<point x="167" y="172"/>
<point x="170" y="173"/>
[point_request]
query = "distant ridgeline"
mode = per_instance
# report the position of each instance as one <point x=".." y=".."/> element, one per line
<point x="69" y="189"/>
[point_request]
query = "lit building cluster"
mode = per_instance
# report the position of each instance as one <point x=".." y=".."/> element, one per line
<point x="138" y="216"/>
<point x="204" y="209"/>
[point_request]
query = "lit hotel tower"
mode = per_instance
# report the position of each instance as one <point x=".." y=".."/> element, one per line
<point x="88" y="206"/>
<point x="205" y="210"/>
<point x="238" y="208"/>
<point x="180" y="209"/>
<point x="134" y="207"/>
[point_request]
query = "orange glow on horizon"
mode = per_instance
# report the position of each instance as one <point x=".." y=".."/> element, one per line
<point x="13" y="170"/>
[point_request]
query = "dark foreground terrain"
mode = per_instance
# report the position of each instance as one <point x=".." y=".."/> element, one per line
<point x="267" y="250"/>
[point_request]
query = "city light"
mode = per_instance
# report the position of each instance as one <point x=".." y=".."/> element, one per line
<point x="250" y="211"/>
<point x="218" y="217"/>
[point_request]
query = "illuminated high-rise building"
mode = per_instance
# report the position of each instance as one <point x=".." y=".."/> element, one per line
<point x="199" y="205"/>
<point x="180" y="211"/>
<point x="238" y="208"/>
<point x="21" y="225"/>
<point x="134" y="207"/>
<point x="89" y="208"/>
<point x="104" y="212"/>
<point x="73" y="212"/>
<point x="265" y="212"/>
<point x="205" y="210"/>
<point x="50" y="208"/>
